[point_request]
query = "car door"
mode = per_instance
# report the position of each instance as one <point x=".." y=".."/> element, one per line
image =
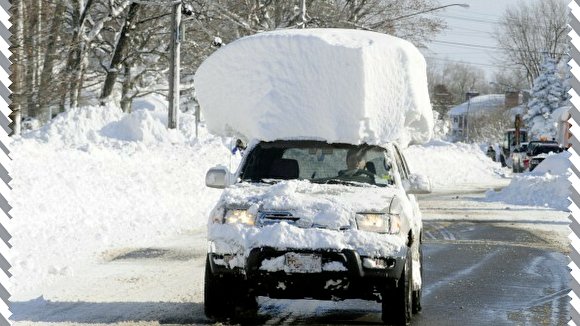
<point x="405" y="173"/>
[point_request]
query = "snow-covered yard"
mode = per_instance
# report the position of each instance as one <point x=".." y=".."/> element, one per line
<point x="77" y="193"/>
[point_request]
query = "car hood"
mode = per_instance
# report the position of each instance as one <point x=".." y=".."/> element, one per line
<point x="308" y="204"/>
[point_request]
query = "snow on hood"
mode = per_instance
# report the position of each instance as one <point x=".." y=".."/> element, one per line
<point x="338" y="85"/>
<point x="328" y="206"/>
<point x="323" y="211"/>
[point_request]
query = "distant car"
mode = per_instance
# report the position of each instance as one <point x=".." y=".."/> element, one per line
<point x="535" y="143"/>
<point x="540" y="151"/>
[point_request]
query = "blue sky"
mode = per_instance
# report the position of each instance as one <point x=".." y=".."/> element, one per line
<point x="469" y="37"/>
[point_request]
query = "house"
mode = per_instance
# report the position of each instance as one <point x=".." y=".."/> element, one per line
<point x="481" y="105"/>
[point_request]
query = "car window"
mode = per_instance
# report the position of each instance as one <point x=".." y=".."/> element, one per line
<point x="546" y="150"/>
<point x="319" y="162"/>
<point x="401" y="164"/>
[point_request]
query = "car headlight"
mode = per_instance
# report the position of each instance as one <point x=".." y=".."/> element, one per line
<point x="380" y="223"/>
<point x="242" y="216"/>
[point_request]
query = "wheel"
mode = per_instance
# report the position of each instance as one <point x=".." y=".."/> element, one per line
<point x="417" y="294"/>
<point x="218" y="305"/>
<point x="228" y="297"/>
<point x="397" y="305"/>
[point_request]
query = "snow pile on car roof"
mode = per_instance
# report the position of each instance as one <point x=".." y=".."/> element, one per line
<point x="330" y="84"/>
<point x="548" y="185"/>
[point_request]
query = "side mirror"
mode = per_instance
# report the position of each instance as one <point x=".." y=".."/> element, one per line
<point x="418" y="185"/>
<point x="217" y="177"/>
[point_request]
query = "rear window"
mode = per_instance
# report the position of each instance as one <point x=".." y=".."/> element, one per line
<point x="542" y="149"/>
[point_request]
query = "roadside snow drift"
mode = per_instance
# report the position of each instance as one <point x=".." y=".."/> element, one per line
<point x="453" y="166"/>
<point x="546" y="186"/>
<point x="336" y="85"/>
<point x="96" y="178"/>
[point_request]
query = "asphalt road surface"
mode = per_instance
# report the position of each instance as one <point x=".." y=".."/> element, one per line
<point x="475" y="274"/>
<point x="486" y="264"/>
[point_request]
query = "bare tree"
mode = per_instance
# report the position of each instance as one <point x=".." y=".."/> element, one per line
<point x="457" y="78"/>
<point x="489" y="125"/>
<point x="71" y="52"/>
<point x="528" y="31"/>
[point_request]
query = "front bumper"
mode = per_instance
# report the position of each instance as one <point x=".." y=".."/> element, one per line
<point x="359" y="276"/>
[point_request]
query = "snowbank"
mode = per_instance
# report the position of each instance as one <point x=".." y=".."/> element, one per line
<point x="546" y="186"/>
<point x="96" y="179"/>
<point x="331" y="84"/>
<point x="85" y="126"/>
<point x="454" y="166"/>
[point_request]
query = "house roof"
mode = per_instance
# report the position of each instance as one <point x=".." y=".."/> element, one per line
<point x="479" y="104"/>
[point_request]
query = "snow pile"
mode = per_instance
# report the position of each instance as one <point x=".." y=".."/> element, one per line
<point x="143" y="125"/>
<point x="108" y="124"/>
<point x="546" y="186"/>
<point x="336" y="85"/>
<point x="80" y="189"/>
<point x="78" y="126"/>
<point x="454" y="165"/>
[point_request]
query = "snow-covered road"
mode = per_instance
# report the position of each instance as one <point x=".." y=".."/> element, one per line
<point x="483" y="260"/>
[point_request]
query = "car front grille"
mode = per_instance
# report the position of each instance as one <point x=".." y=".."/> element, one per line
<point x="273" y="217"/>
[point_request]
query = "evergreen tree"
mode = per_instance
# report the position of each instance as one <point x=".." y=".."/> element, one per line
<point x="548" y="94"/>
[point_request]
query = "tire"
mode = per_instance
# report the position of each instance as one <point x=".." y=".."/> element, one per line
<point x="417" y="294"/>
<point x="216" y="302"/>
<point x="228" y="298"/>
<point x="397" y="304"/>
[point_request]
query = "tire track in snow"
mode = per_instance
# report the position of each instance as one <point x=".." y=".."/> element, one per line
<point x="435" y="229"/>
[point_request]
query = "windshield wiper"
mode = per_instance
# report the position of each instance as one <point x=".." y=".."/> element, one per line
<point x="264" y="180"/>
<point x="335" y="181"/>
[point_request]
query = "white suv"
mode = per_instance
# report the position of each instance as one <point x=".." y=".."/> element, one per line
<point x="305" y="219"/>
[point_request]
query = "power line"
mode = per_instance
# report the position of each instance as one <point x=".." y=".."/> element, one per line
<point x="475" y="20"/>
<point x="487" y="47"/>
<point x="472" y="63"/>
<point x="454" y="33"/>
<point x="473" y="30"/>
<point x="495" y="22"/>
<point x="478" y="46"/>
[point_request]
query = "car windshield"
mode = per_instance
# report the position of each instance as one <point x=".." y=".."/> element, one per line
<point x="318" y="162"/>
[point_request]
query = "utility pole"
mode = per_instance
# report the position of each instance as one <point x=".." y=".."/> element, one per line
<point x="175" y="65"/>
<point x="303" y="14"/>
<point x="175" y="57"/>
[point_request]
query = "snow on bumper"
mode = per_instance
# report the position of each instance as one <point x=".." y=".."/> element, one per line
<point x="236" y="242"/>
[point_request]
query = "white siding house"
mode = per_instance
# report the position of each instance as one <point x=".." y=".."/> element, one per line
<point x="484" y="104"/>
